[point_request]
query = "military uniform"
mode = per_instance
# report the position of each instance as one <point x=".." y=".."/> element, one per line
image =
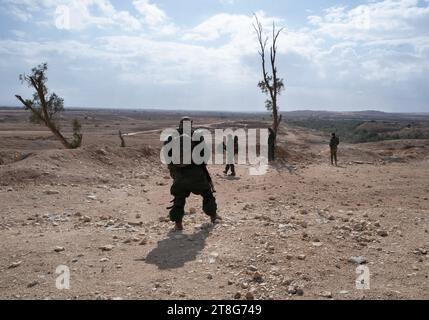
<point x="189" y="179"/>
<point x="230" y="161"/>
<point x="333" y="145"/>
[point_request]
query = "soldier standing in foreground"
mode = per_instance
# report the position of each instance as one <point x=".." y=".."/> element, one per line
<point x="333" y="145"/>
<point x="190" y="178"/>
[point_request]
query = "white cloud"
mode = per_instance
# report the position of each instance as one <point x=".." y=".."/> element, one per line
<point x="152" y="14"/>
<point x="227" y="2"/>
<point x="382" y="43"/>
<point x="372" y="21"/>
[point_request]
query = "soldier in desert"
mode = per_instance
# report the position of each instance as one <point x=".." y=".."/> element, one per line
<point x="230" y="154"/>
<point x="333" y="145"/>
<point x="190" y="178"/>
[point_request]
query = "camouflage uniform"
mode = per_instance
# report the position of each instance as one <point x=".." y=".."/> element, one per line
<point x="189" y="179"/>
<point x="333" y="145"/>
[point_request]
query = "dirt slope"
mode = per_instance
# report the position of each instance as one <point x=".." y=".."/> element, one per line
<point x="289" y="234"/>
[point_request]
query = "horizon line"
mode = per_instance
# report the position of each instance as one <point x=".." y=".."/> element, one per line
<point x="154" y="109"/>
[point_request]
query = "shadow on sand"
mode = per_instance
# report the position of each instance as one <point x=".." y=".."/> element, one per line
<point x="174" y="251"/>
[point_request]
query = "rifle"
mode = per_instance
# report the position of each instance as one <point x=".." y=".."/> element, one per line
<point x="209" y="178"/>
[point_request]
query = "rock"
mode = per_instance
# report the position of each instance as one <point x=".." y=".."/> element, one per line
<point x="302" y="257"/>
<point x="135" y="223"/>
<point x="138" y="216"/>
<point x="357" y="260"/>
<point x="51" y="192"/>
<point x="237" y="295"/>
<point x="344" y="292"/>
<point x="422" y="251"/>
<point x="326" y="294"/>
<point x="272" y="198"/>
<point x="252" y="268"/>
<point x="86" y="219"/>
<point x="331" y="218"/>
<point x="108" y="247"/>
<point x="59" y="249"/>
<point x="104" y="259"/>
<point x="15" y="265"/>
<point x="303" y="212"/>
<point x="32" y="284"/>
<point x="244" y="285"/>
<point x="257" y="277"/>
<point x="143" y="242"/>
<point x="230" y="282"/>
<point x="382" y="233"/>
<point x="91" y="197"/>
<point x="101" y="152"/>
<point x="192" y="211"/>
<point x="299" y="291"/>
<point x="250" y="296"/>
<point x="317" y="244"/>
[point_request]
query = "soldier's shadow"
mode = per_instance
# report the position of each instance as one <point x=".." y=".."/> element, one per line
<point x="174" y="251"/>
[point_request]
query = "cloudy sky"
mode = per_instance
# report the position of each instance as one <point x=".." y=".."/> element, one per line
<point x="202" y="54"/>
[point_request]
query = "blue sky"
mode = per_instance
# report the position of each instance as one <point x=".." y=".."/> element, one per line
<point x="202" y="54"/>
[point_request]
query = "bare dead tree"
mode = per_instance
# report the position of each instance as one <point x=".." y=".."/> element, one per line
<point x="270" y="85"/>
<point x="44" y="108"/>
<point x="122" y="139"/>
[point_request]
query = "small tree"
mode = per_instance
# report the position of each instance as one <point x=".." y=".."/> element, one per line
<point x="270" y="85"/>
<point x="45" y="107"/>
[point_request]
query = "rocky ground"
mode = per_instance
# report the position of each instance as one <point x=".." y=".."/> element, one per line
<point x="298" y="232"/>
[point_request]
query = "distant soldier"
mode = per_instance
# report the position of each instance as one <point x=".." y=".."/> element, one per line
<point x="271" y="145"/>
<point x="190" y="178"/>
<point x="230" y="157"/>
<point x="333" y="144"/>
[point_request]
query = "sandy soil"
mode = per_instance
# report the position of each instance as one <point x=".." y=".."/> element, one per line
<point x="290" y="234"/>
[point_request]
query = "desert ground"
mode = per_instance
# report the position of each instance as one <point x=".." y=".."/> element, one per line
<point x="298" y="232"/>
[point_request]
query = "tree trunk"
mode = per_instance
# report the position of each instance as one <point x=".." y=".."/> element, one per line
<point x="122" y="139"/>
<point x="46" y="121"/>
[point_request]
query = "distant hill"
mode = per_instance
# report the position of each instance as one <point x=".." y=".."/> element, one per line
<point x="353" y="115"/>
